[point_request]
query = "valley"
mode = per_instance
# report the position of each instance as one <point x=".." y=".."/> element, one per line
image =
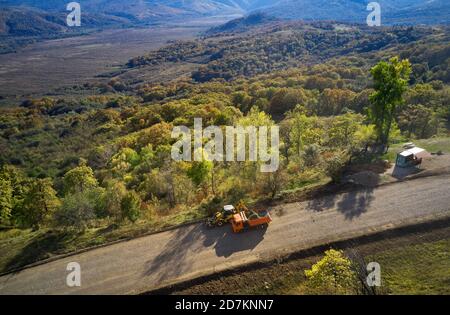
<point x="52" y="67"/>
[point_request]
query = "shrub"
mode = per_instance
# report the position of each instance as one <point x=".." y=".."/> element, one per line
<point x="131" y="206"/>
<point x="311" y="155"/>
<point x="79" y="209"/>
<point x="334" y="167"/>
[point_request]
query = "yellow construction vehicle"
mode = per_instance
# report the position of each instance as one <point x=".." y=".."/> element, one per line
<point x="222" y="217"/>
<point x="240" y="217"/>
<point x="241" y="207"/>
<point x="226" y="214"/>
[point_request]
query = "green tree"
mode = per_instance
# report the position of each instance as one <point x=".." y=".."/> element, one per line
<point x="333" y="274"/>
<point x="79" y="179"/>
<point x="19" y="183"/>
<point x="39" y="204"/>
<point x="274" y="181"/>
<point x="124" y="160"/>
<point x="6" y="200"/>
<point x="13" y="179"/>
<point x="419" y="121"/>
<point x="390" y="83"/>
<point x="349" y="133"/>
<point x="131" y="206"/>
<point x="115" y="192"/>
<point x="79" y="209"/>
<point x="364" y="136"/>
<point x="242" y="101"/>
<point x="305" y="130"/>
<point x="199" y="172"/>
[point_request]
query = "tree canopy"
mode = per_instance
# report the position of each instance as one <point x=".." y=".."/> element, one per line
<point x="390" y="83"/>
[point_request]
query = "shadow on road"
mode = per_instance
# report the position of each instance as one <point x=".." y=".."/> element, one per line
<point x="322" y="203"/>
<point x="355" y="203"/>
<point x="230" y="243"/>
<point x="186" y="244"/>
<point x="171" y="261"/>
<point x="351" y="204"/>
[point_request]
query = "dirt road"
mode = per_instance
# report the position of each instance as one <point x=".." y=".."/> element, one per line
<point x="156" y="260"/>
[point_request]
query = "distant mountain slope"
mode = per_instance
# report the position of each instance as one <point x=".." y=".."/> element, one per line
<point x="242" y="24"/>
<point x="20" y="26"/>
<point x="393" y="11"/>
<point x="430" y="12"/>
<point x="142" y="10"/>
<point x="21" y="22"/>
<point x="32" y="22"/>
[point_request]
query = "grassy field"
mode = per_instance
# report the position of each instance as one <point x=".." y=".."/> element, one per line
<point x="417" y="268"/>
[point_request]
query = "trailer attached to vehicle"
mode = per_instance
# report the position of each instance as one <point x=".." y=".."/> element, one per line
<point x="241" y="220"/>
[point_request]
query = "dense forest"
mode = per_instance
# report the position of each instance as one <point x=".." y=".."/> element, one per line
<point x="105" y="159"/>
<point x="281" y="45"/>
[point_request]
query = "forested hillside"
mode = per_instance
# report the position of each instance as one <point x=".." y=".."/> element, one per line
<point x="282" y="45"/>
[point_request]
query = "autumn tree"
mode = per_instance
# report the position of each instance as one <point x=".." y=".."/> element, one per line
<point x="79" y="179"/>
<point x="156" y="135"/>
<point x="124" y="161"/>
<point x="286" y="99"/>
<point x="390" y="82"/>
<point x="419" y="121"/>
<point x="332" y="101"/>
<point x="333" y="274"/>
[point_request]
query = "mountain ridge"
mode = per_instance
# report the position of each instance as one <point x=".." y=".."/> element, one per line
<point x="392" y="11"/>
